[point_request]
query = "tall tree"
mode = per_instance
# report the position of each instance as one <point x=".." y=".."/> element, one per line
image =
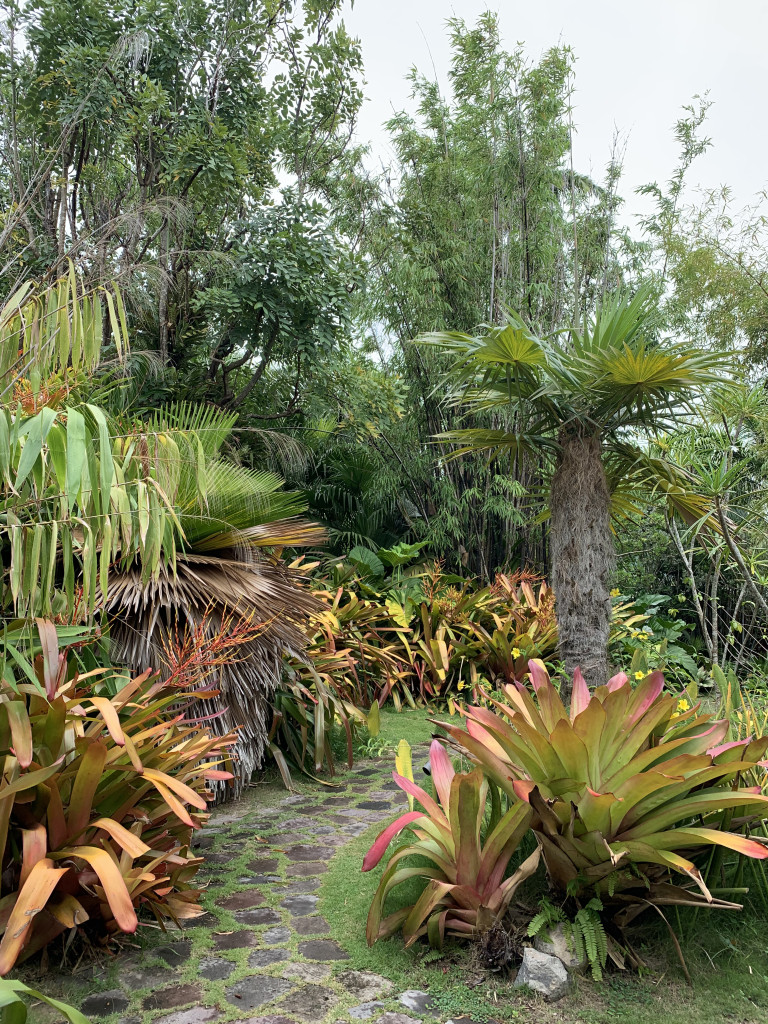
<point x="583" y="395"/>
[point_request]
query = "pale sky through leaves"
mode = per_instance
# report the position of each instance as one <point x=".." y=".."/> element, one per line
<point x="637" y="65"/>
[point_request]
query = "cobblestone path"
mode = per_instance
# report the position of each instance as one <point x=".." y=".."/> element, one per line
<point x="262" y="953"/>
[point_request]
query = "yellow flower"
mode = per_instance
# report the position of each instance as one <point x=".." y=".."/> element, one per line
<point x="639" y="675"/>
<point x="615" y="592"/>
<point x="460" y="686"/>
<point x="515" y="652"/>
<point x="683" y="705"/>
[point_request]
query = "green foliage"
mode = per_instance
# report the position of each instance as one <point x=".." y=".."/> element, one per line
<point x="466" y="892"/>
<point x="629" y="784"/>
<point x="104" y="784"/>
<point x="15" y="1010"/>
<point x="585" y="933"/>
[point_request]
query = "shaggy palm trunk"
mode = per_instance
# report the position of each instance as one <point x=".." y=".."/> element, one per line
<point x="582" y="553"/>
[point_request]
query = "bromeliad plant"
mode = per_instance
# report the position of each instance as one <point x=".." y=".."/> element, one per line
<point x="626" y="789"/>
<point x="103" y="782"/>
<point x="466" y="891"/>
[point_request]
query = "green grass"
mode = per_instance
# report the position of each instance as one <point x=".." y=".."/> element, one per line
<point x="412" y="725"/>
<point x="727" y="955"/>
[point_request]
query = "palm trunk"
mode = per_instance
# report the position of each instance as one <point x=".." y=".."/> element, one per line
<point x="583" y="555"/>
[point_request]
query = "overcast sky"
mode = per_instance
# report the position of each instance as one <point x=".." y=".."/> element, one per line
<point x="637" y="65"/>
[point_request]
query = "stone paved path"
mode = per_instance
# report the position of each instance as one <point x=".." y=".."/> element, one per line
<point x="262" y="953"/>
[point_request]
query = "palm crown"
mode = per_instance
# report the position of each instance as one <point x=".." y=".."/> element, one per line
<point x="577" y="401"/>
<point x="612" y="377"/>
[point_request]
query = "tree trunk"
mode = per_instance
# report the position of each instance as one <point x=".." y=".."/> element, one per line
<point x="583" y="555"/>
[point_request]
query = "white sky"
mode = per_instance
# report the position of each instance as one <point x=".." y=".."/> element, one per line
<point x="637" y="65"/>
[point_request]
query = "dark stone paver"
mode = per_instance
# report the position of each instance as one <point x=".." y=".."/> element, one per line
<point x="256" y="991"/>
<point x="201" y="921"/>
<point x="263" y="864"/>
<point x="312" y="1002"/>
<point x="272" y="936"/>
<point x="300" y="906"/>
<point x="236" y="940"/>
<point x="243" y="900"/>
<point x="309" y="853"/>
<point x="262" y="915"/>
<point x="104" y="1003"/>
<point x="299" y="886"/>
<point x="310" y="925"/>
<point x="267" y="957"/>
<point x="322" y="949"/>
<point x="374" y="805"/>
<point x="215" y="968"/>
<point x="174" y="953"/>
<point x="310" y="867"/>
<point x="167" y="998"/>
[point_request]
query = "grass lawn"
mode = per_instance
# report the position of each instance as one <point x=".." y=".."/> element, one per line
<point x="727" y="955"/>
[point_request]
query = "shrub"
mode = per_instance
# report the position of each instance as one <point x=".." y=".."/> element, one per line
<point x="626" y="789"/>
<point x="103" y="783"/>
<point x="466" y="892"/>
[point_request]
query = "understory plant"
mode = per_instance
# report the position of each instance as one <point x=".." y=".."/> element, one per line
<point x="628" y="789"/>
<point x="15" y="1010"/>
<point x="103" y="783"/>
<point x="466" y="858"/>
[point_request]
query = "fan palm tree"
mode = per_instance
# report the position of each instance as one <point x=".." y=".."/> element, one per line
<point x="232" y="524"/>
<point x="583" y="399"/>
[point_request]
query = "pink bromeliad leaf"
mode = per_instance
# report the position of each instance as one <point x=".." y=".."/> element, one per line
<point x="384" y="838"/>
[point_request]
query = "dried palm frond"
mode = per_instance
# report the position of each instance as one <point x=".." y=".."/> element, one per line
<point x="207" y="593"/>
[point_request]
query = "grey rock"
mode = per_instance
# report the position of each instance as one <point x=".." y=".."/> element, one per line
<point x="197" y="1015"/>
<point x="268" y="1019"/>
<point x="307" y="972"/>
<point x="416" y="1000"/>
<point x="556" y="943"/>
<point x="544" y="974"/>
<point x="364" y="985"/>
<point x="366" y="1010"/>
<point x="312" y="1002"/>
<point x="215" y="968"/>
<point x="256" y="991"/>
<point x="397" y="1018"/>
<point x="104" y="1003"/>
<point x="267" y="957"/>
<point x="272" y="936"/>
<point x="322" y="949"/>
<point x="300" y="906"/>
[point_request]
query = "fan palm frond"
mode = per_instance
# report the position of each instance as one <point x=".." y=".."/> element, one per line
<point x="205" y="592"/>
